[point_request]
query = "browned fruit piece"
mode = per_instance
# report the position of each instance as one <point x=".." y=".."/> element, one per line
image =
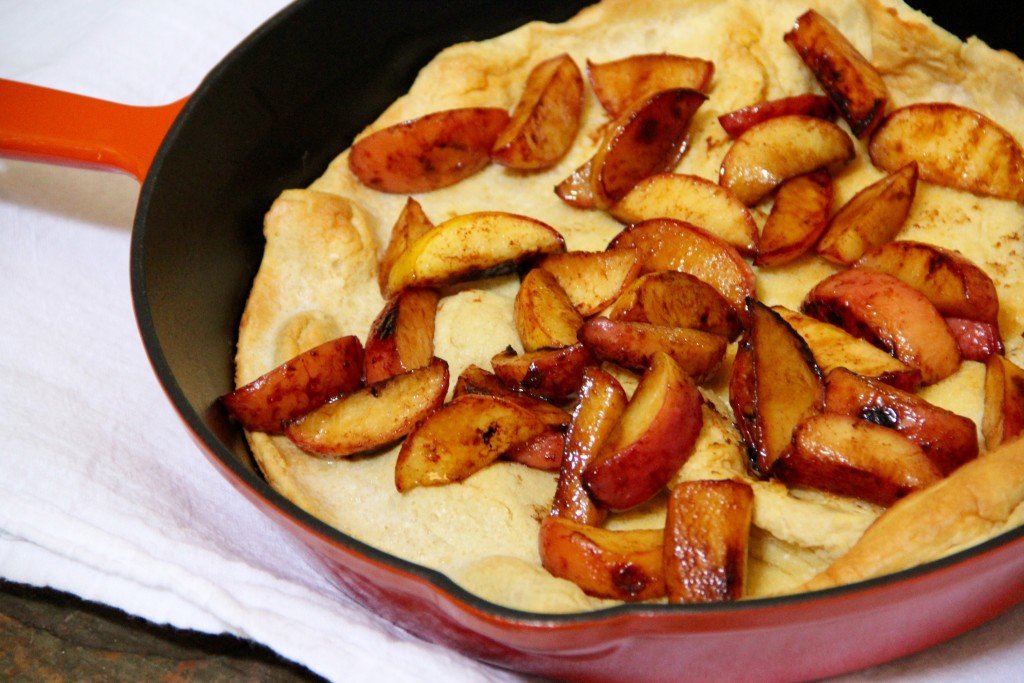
<point x="593" y="279"/>
<point x="707" y="531"/>
<point x="855" y="86"/>
<point x="375" y="416"/>
<point x="798" y="217"/>
<point x="953" y="146"/>
<point x="741" y="395"/>
<point x="619" y="83"/>
<point x="1003" y="419"/>
<point x="778" y="149"/>
<point x="891" y="314"/>
<point x="737" y="122"/>
<point x="649" y="137"/>
<point x="542" y="452"/>
<point x="619" y="565"/>
<point x="949" y="440"/>
<point x="428" y="153"/>
<point x="551" y="373"/>
<point x="977" y="340"/>
<point x="462" y="438"/>
<point x="298" y="386"/>
<point x="546" y="118"/>
<point x="849" y="456"/>
<point x="401" y="338"/>
<point x="410" y="225"/>
<point x="601" y="403"/>
<point x="544" y="316"/>
<point x="691" y="199"/>
<point x="871" y="217"/>
<point x="633" y="344"/>
<point x="951" y="281"/>
<point x="834" y="347"/>
<point x="787" y="384"/>
<point x="475" y="380"/>
<point x="666" y="244"/>
<point x="578" y="189"/>
<point x="651" y="441"/>
<point x="470" y="246"/>
<point x="677" y="299"/>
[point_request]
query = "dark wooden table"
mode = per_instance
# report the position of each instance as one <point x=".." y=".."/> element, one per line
<point x="46" y="635"/>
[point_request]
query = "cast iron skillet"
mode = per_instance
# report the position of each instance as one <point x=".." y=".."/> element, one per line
<point x="270" y="117"/>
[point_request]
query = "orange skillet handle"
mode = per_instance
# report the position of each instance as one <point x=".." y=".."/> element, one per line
<point x="41" y="124"/>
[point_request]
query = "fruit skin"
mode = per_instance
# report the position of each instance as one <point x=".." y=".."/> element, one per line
<point x="736" y="122"/>
<point x="651" y="441"/>
<point x="401" y="337"/>
<point x="428" y="153"/>
<point x="890" y="313"/>
<point x="933" y="135"/>
<point x="677" y="299"/>
<point x="853" y="84"/>
<point x="707" y="530"/>
<point x="1003" y="419"/>
<point x="548" y="373"/>
<point x="620" y="565"/>
<point x="593" y="279"/>
<point x="619" y="83"/>
<point x="298" y="386"/>
<point x="546" y="119"/>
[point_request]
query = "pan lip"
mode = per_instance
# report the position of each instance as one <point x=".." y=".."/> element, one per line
<point x="438" y="582"/>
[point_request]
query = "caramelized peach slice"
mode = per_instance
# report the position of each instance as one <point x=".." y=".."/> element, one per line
<point x="651" y="441"/>
<point x="593" y="279"/>
<point x="891" y="314"/>
<point x="472" y="245"/>
<point x="778" y="149"/>
<point x="948" y="439"/>
<point x="621" y="82"/>
<point x="601" y="403"/>
<point x="853" y="457"/>
<point x="298" y="386"/>
<point x="976" y="340"/>
<point x="677" y="299"/>
<point x="953" y="146"/>
<point x="620" y="565"/>
<point x="410" y="225"/>
<point x="707" y="532"/>
<point x="428" y="153"/>
<point x="401" y="337"/>
<point x="375" y="416"/>
<point x="871" y="217"/>
<point x="855" y="86"/>
<point x="475" y="380"/>
<point x="546" y="118"/>
<point x="544" y="316"/>
<point x="462" y="438"/>
<point x="691" y="199"/>
<point x="798" y="217"/>
<point x="550" y="373"/>
<point x="735" y="123"/>
<point x="1003" y="419"/>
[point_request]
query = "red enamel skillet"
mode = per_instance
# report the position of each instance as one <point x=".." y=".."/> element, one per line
<point x="271" y="116"/>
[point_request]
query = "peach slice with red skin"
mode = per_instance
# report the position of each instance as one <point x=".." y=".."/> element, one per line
<point x="736" y="122"/>
<point x="1003" y="419"/>
<point x="546" y="119"/>
<point x="429" y="152"/>
<point x="462" y="438"/>
<point x="549" y="373"/>
<point x="849" y="456"/>
<point x="651" y="441"/>
<point x="401" y="337"/>
<point x="847" y="77"/>
<point x="373" y="417"/>
<point x="625" y="565"/>
<point x="707" y="532"/>
<point x="954" y="146"/>
<point x="677" y="299"/>
<point x="619" y="83"/>
<point x="475" y="380"/>
<point x="298" y="386"/>
<point x="891" y="314"/>
<point x="949" y="440"/>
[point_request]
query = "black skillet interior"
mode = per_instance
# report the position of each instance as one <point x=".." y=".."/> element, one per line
<point x="271" y="116"/>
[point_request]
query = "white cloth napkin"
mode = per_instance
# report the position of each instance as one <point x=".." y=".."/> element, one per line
<point x="102" y="492"/>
